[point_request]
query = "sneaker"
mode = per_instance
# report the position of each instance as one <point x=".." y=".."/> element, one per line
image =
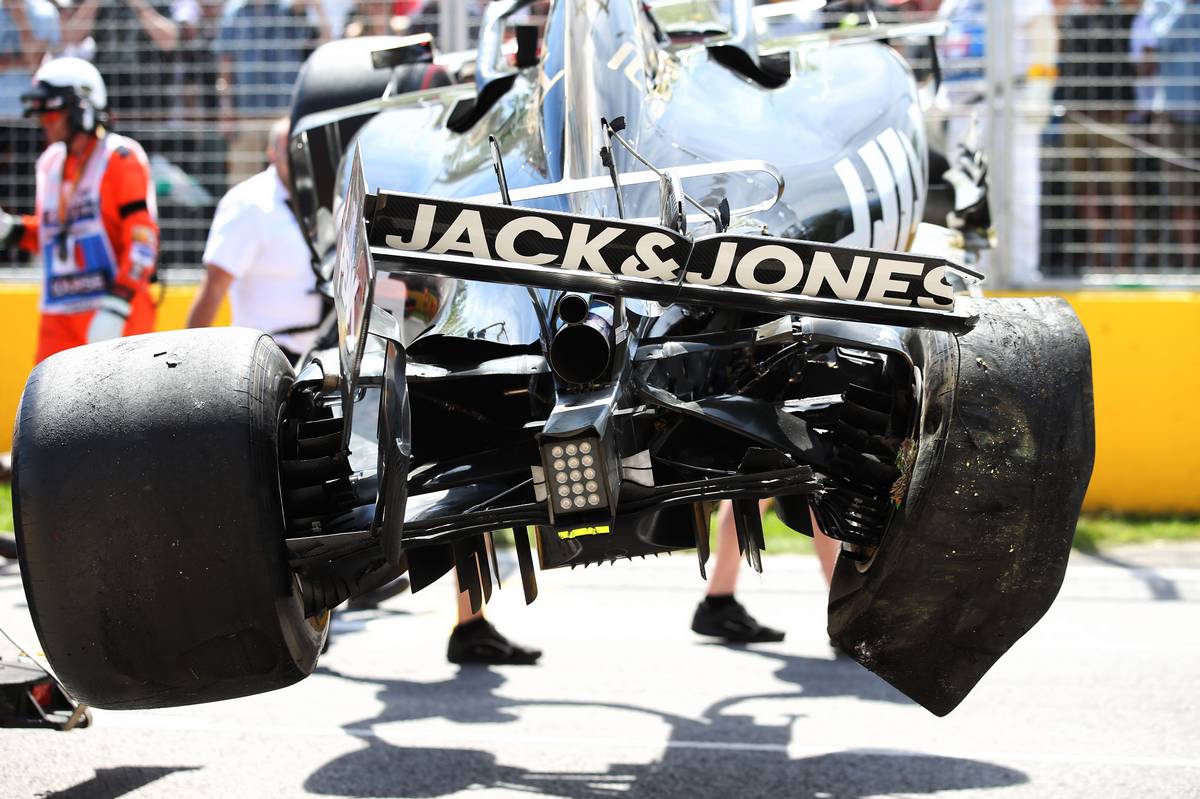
<point x="728" y="620"/>
<point x="479" y="642"/>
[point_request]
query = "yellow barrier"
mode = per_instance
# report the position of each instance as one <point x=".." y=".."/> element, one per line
<point x="1145" y="352"/>
<point x="19" y="322"/>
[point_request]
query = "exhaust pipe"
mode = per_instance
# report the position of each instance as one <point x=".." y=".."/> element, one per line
<point x="582" y="347"/>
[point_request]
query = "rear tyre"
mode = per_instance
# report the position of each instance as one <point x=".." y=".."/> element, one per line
<point x="978" y="550"/>
<point x="149" y="520"/>
<point x="341" y="73"/>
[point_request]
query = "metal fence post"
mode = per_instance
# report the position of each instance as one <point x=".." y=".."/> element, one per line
<point x="998" y="135"/>
<point x="452" y="25"/>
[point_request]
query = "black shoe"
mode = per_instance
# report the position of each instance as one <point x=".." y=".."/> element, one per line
<point x="479" y="642"/>
<point x="728" y="620"/>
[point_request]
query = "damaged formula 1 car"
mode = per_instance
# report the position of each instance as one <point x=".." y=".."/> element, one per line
<point x="640" y="264"/>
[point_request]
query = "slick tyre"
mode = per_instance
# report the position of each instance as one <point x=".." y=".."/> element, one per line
<point x="341" y="73"/>
<point x="978" y="550"/>
<point x="149" y="521"/>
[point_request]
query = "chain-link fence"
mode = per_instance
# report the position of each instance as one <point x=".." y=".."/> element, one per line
<point x="1091" y="113"/>
<point x="196" y="82"/>
<point x="1089" y="109"/>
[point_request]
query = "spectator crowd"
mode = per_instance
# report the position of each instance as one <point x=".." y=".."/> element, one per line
<point x="1127" y="134"/>
<point x="1111" y="183"/>
<point x="198" y="82"/>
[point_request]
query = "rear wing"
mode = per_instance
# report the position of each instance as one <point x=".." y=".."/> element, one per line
<point x="395" y="232"/>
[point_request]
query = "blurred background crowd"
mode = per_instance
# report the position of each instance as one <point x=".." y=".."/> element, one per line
<point x="197" y="82"/>
<point x="1090" y="110"/>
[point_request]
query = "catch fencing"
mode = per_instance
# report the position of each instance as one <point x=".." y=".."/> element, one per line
<point x="1091" y="118"/>
<point x="197" y="82"/>
<point x="1090" y="115"/>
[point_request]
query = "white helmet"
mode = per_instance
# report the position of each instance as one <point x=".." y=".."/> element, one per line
<point x="68" y="83"/>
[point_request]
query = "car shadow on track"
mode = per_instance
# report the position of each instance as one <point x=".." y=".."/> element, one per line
<point x="1161" y="588"/>
<point x="720" y="754"/>
<point x="118" y="781"/>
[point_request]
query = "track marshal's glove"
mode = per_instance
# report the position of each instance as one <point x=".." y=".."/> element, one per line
<point x="109" y="320"/>
<point x="10" y="229"/>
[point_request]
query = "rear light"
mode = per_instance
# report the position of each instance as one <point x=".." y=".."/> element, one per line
<point x="575" y="476"/>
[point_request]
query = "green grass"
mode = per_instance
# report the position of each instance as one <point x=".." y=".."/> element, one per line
<point x="1095" y="531"/>
<point x="783" y="540"/>
<point x="1101" y="531"/>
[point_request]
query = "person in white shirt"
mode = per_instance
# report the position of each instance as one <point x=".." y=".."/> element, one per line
<point x="1153" y="20"/>
<point x="257" y="254"/>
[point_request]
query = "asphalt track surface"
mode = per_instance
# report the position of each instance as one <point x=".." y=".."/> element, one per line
<point x="1101" y="699"/>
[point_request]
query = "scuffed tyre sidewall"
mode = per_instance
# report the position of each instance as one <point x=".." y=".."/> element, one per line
<point x="978" y="551"/>
<point x="149" y="520"/>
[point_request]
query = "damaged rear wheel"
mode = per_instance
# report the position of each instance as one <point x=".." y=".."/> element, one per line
<point x="978" y="548"/>
<point x="149" y="520"/>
